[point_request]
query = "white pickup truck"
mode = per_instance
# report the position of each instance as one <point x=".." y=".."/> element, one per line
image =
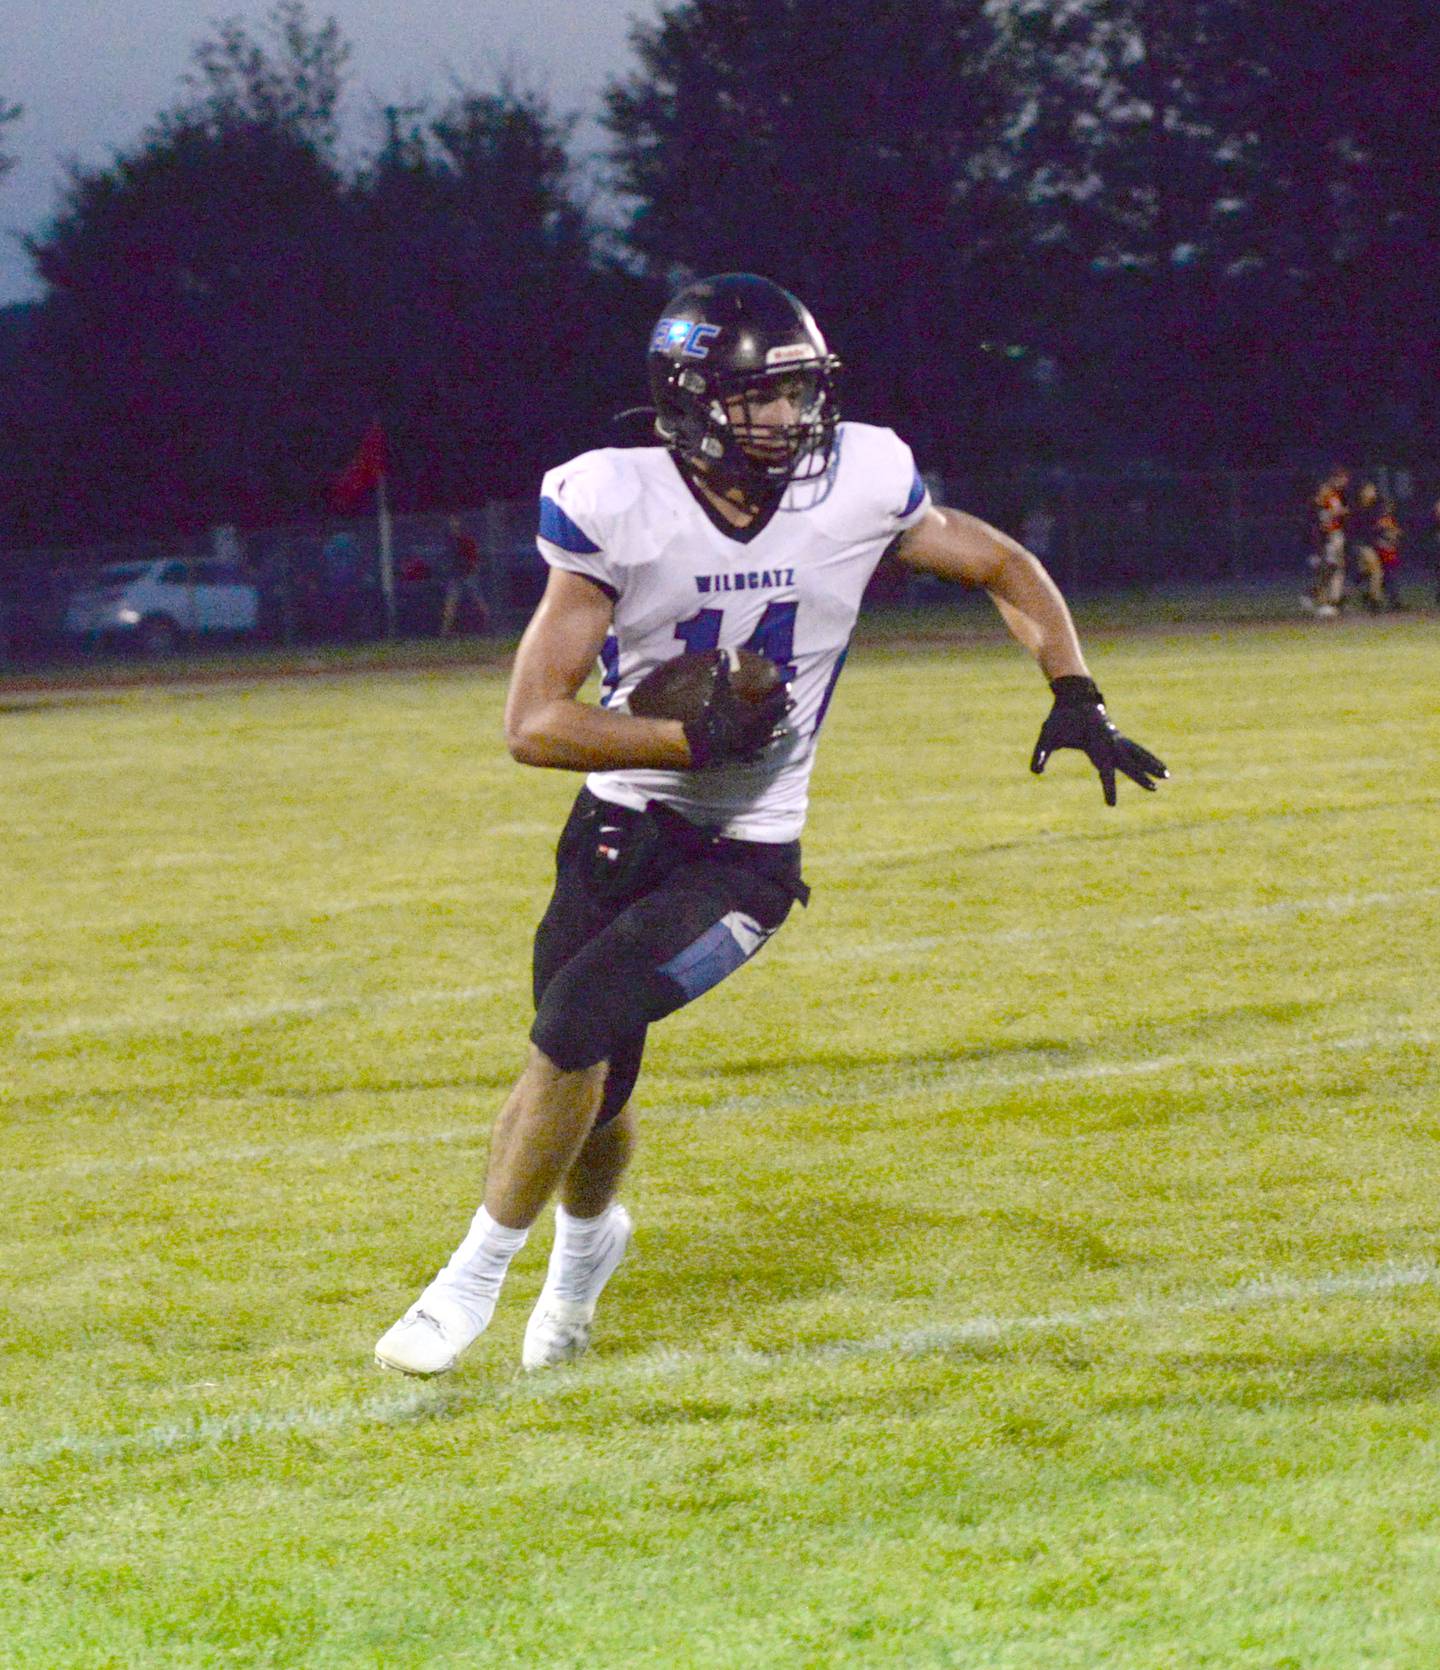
<point x="156" y="604"/>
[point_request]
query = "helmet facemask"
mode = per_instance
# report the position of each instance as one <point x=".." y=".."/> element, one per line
<point x="746" y="436"/>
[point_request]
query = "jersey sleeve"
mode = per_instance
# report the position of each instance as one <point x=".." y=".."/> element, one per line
<point x="891" y="489"/>
<point x="582" y="504"/>
<point x="910" y="498"/>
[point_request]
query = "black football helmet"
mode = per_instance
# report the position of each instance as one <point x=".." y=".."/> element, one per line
<point x="725" y="346"/>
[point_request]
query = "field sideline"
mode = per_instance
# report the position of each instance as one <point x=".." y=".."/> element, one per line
<point x="1036" y="1258"/>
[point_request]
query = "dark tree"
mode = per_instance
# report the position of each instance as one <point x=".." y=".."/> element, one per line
<point x="1242" y="196"/>
<point x="292" y="86"/>
<point x="1141" y="165"/>
<point x="491" y="323"/>
<point x="854" y="151"/>
<point x="1351" y="149"/>
<point x="182" y="367"/>
<point x="8" y="113"/>
<point x="1213" y="226"/>
<point x="226" y="310"/>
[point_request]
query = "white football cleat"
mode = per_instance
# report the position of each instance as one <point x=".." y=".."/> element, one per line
<point x="559" y="1329"/>
<point x="430" y="1336"/>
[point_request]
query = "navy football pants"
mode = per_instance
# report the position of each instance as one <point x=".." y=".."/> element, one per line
<point x="605" y="969"/>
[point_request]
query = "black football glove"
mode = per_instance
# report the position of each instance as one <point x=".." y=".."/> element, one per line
<point x="1079" y="720"/>
<point x="730" y="728"/>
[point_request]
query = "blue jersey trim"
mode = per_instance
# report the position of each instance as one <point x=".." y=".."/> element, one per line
<point x="557" y="527"/>
<point x="917" y="492"/>
<point x="830" y="689"/>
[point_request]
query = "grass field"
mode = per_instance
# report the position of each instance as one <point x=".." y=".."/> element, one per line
<point x="1036" y="1261"/>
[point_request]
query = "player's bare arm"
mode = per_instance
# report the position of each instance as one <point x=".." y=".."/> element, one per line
<point x="545" y="722"/>
<point x="954" y="546"/>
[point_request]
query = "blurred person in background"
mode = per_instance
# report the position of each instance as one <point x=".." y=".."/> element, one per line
<point x="342" y="580"/>
<point x="1364" y="532"/>
<point x="1376" y="542"/>
<point x="1331" y="508"/>
<point x="462" y="581"/>
<point x="1037" y="531"/>
<point x="1387" y="552"/>
<point x="1132" y="542"/>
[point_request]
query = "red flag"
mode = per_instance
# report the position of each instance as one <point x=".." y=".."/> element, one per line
<point x="364" y="472"/>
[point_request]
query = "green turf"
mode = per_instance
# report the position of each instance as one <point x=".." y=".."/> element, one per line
<point x="1036" y="1255"/>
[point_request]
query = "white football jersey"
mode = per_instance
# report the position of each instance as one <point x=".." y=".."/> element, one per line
<point x="624" y="518"/>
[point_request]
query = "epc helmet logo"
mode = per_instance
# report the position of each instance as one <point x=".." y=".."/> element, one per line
<point x="691" y="339"/>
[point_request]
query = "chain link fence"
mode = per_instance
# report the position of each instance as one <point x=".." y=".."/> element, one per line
<point x="1178" y="527"/>
<point x="322" y="581"/>
<point x="299" y="583"/>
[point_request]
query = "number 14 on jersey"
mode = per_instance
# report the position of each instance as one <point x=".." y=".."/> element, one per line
<point x="773" y="637"/>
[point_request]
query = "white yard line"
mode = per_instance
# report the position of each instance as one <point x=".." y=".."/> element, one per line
<point x="844" y="861"/>
<point x="980" y="1078"/>
<point x="229" y="1017"/>
<point x="1277" y="910"/>
<point x="975" y="1080"/>
<point x="323" y="1150"/>
<point x="408" y="1400"/>
<point x="1249" y="1295"/>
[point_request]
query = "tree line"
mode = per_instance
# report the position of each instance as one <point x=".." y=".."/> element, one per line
<point x="1120" y="229"/>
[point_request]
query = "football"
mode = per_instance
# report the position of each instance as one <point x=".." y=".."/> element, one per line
<point x="679" y="688"/>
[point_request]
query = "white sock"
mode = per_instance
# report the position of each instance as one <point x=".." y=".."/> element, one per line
<point x="579" y="1245"/>
<point x="477" y="1266"/>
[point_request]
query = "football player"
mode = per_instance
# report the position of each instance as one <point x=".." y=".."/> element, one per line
<point x="1331" y="509"/>
<point x="756" y="522"/>
<point x="1376" y="537"/>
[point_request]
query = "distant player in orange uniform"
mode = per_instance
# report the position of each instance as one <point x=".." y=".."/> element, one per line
<point x="1332" y="512"/>
<point x="1387" y="553"/>
<point x="1377" y="548"/>
<point x="1364" y="532"/>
